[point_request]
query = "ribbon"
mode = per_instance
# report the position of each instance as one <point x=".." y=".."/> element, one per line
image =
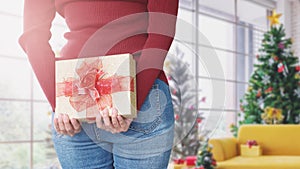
<point x="251" y="143"/>
<point x="179" y="161"/>
<point x="92" y="90"/>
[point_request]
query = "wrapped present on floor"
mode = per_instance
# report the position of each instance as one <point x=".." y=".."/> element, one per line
<point x="179" y="164"/>
<point x="191" y="161"/>
<point x="86" y="86"/>
<point x="187" y="163"/>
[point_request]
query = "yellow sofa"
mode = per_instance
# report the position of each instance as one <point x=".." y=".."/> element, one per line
<point x="280" y="148"/>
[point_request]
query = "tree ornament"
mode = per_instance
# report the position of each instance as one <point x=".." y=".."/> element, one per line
<point x="288" y="114"/>
<point x="174" y="91"/>
<point x="241" y="107"/>
<point x="250" y="88"/>
<point x="266" y="78"/>
<point x="275" y="58"/>
<point x="207" y="159"/>
<point x="297" y="68"/>
<point x="176" y="117"/>
<point x="274" y="18"/>
<point x="286" y="71"/>
<point x="257" y="56"/>
<point x="272" y="42"/>
<point x="286" y="52"/>
<point x="271" y="61"/>
<point x="244" y="102"/>
<point x="297" y="92"/>
<point x="281" y="45"/>
<point x="269" y="90"/>
<point x="281" y="91"/>
<point x="260" y="102"/>
<point x="297" y="76"/>
<point x="280" y="67"/>
<point x="272" y="115"/>
<point x="258" y="94"/>
<point x="199" y="120"/>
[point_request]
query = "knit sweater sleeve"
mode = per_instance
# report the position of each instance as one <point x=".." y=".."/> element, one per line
<point x="38" y="16"/>
<point x="161" y="31"/>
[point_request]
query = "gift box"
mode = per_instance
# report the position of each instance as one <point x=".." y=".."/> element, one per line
<point x="86" y="86"/>
<point x="250" y="151"/>
<point x="179" y="166"/>
<point x="191" y="160"/>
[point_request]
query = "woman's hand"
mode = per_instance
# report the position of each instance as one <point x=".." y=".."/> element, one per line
<point x="114" y="123"/>
<point x="64" y="125"/>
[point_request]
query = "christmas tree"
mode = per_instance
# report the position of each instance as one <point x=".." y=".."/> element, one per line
<point x="187" y="118"/>
<point x="273" y="95"/>
<point x="205" y="158"/>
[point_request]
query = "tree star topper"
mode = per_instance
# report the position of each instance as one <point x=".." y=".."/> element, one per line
<point x="274" y="18"/>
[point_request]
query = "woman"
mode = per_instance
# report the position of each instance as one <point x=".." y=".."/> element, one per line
<point x="144" y="28"/>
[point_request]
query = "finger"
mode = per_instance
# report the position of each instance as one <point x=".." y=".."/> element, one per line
<point x="114" y="119"/>
<point x="106" y="119"/>
<point x="69" y="128"/>
<point x="61" y="125"/>
<point x="121" y="121"/>
<point x="56" y="126"/>
<point x="76" y="125"/>
<point x="99" y="121"/>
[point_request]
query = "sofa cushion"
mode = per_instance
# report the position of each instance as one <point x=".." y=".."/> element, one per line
<point x="224" y="148"/>
<point x="274" y="139"/>
<point x="261" y="162"/>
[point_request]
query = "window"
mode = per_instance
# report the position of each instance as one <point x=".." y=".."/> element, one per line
<point x="296" y="26"/>
<point x="224" y="41"/>
<point x="24" y="111"/>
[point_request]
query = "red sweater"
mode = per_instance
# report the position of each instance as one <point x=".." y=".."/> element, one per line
<point x="101" y="27"/>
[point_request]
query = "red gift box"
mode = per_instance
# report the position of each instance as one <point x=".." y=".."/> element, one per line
<point x="191" y="160"/>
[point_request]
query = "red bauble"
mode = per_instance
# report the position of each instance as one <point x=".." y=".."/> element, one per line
<point x="269" y="90"/>
<point x="174" y="91"/>
<point x="258" y="94"/>
<point x="199" y="120"/>
<point x="275" y="58"/>
<point x="214" y="162"/>
<point x="176" y="117"/>
<point x="297" y="68"/>
<point x="280" y="69"/>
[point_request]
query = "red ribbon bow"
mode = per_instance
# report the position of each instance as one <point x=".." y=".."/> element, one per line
<point x="92" y="90"/>
<point x="251" y="143"/>
<point x="179" y="161"/>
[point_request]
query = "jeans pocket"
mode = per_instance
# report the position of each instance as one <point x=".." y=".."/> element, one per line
<point x="144" y="127"/>
<point x="149" y="116"/>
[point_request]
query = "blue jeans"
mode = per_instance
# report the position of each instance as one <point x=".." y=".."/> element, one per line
<point x="147" y="143"/>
